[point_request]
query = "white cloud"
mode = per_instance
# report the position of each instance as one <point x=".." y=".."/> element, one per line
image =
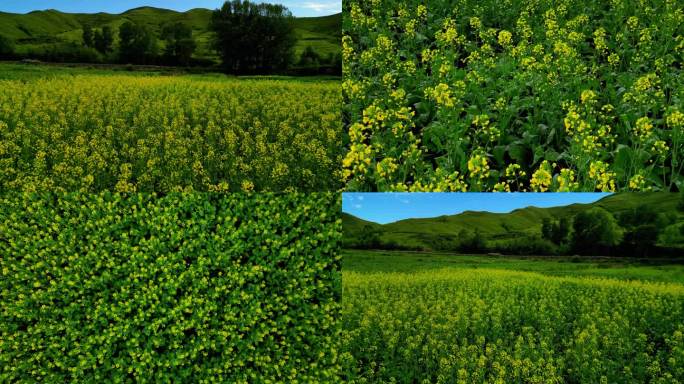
<point x="358" y="206"/>
<point x="322" y="7"/>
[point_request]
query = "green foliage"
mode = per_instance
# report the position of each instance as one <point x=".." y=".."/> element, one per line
<point x="544" y="95"/>
<point x="367" y="238"/>
<point x="137" y="44"/>
<point x="104" y="39"/>
<point x="88" y="36"/>
<point x="309" y="58"/>
<point x="673" y="235"/>
<point x="556" y="231"/>
<point x="179" y="43"/>
<point x="594" y="231"/>
<point x="6" y="47"/>
<point x="62" y="53"/>
<point x="524" y="245"/>
<point x="251" y="36"/>
<point x="470" y="241"/>
<point x="237" y="288"/>
<point x="371" y="261"/>
<point x="642" y="228"/>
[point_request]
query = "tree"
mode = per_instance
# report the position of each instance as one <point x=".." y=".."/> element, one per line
<point x="88" y="36"/>
<point x="547" y="229"/>
<point x="556" y="231"/>
<point x="595" y="231"/>
<point x="369" y="238"/>
<point x="137" y="44"/>
<point x="471" y="242"/>
<point x="179" y="43"/>
<point x="309" y="58"/>
<point x="104" y="39"/>
<point x="643" y="225"/>
<point x="6" y="47"/>
<point x="253" y="37"/>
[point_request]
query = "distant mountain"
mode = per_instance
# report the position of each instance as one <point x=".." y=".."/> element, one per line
<point x="496" y="226"/>
<point x="40" y="28"/>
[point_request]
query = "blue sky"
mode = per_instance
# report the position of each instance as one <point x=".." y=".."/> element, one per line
<point x="298" y="8"/>
<point x="389" y="207"/>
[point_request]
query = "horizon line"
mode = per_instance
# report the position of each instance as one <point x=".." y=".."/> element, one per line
<point x="141" y="7"/>
<point x="467" y="211"/>
<point x="349" y="208"/>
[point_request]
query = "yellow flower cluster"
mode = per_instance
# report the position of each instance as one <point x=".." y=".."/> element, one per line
<point x="441" y="94"/>
<point x="614" y="59"/>
<point x="484" y="127"/>
<point x="448" y="35"/>
<point x="505" y="38"/>
<point x="588" y="97"/>
<point x="600" y="41"/>
<point x="386" y="167"/>
<point x="602" y="176"/>
<point x="542" y="178"/>
<point x="637" y="182"/>
<point x="566" y="181"/>
<point x="478" y="167"/>
<point x="643" y="129"/>
<point x="646" y="90"/>
<point x="589" y="138"/>
<point x="675" y="120"/>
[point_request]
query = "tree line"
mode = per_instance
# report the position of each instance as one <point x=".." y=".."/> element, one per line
<point x="639" y="232"/>
<point x="248" y="38"/>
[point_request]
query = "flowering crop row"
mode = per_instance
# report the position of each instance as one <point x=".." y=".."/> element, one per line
<point x="161" y="134"/>
<point x="471" y="95"/>
<point x="495" y="326"/>
<point x="202" y="288"/>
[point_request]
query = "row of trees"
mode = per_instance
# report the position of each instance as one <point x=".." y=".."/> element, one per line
<point x="635" y="232"/>
<point x="138" y="44"/>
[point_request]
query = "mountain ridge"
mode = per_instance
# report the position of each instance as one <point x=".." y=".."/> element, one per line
<point x="41" y="28"/>
<point x="520" y="221"/>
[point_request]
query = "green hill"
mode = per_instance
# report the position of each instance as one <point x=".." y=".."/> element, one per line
<point x="353" y="226"/>
<point x="41" y="28"/>
<point x="421" y="233"/>
<point x="323" y="34"/>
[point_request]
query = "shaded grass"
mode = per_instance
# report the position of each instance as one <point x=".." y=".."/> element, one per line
<point x="409" y="262"/>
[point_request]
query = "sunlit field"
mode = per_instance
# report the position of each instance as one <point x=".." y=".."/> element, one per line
<point x="80" y="130"/>
<point x="429" y="318"/>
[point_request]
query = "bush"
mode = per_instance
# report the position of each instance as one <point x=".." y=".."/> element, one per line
<point x="186" y="287"/>
<point x="526" y="246"/>
<point x="6" y="48"/>
<point x="64" y="53"/>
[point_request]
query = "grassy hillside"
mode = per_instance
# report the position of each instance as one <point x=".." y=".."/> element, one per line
<point x="353" y="226"/>
<point x="323" y="34"/>
<point x="40" y="28"/>
<point x="497" y="226"/>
